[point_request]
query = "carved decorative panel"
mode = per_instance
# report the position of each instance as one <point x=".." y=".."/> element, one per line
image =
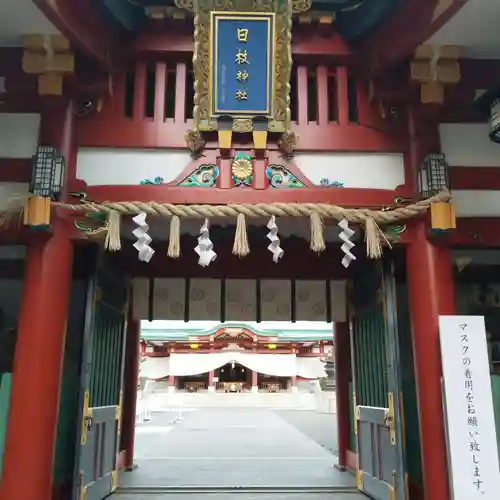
<point x="204" y="299"/>
<point x="338" y="297"/>
<point x="276" y="300"/>
<point x="310" y="300"/>
<point x="169" y="300"/>
<point x="241" y="300"/>
<point x="141" y="298"/>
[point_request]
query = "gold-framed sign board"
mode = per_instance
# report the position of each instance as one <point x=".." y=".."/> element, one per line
<point x="242" y="63"/>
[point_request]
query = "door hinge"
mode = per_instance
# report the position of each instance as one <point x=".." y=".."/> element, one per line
<point x="83" y="493"/>
<point x="359" y="480"/>
<point x="86" y="417"/>
<point x="392" y="488"/>
<point x="114" y="483"/>
<point x="390" y="419"/>
<point x="118" y="413"/>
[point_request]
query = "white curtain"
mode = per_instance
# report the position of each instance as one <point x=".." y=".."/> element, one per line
<point x="182" y="365"/>
<point x="311" y="368"/>
<point x="155" y="368"/>
<point x="277" y="365"/>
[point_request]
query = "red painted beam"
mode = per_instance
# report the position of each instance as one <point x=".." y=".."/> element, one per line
<point x="477" y="178"/>
<point x="171" y="42"/>
<point x="81" y="24"/>
<point x="15" y="169"/>
<point x="346" y="197"/>
<point x="482" y="232"/>
<point x="414" y="23"/>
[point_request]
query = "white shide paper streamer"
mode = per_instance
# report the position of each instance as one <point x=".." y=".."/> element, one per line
<point x="143" y="238"/>
<point x="205" y="247"/>
<point x="274" y="246"/>
<point x="346" y="235"/>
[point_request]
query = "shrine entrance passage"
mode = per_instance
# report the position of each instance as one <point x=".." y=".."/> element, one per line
<point x="110" y="302"/>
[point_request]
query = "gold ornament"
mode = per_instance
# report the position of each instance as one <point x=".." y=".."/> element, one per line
<point x="241" y="169"/>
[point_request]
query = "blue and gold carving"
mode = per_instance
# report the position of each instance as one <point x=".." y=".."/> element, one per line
<point x="242" y="169"/>
<point x="242" y="64"/>
<point x="325" y="181"/>
<point x="280" y="177"/>
<point x="204" y="176"/>
<point x="156" y="180"/>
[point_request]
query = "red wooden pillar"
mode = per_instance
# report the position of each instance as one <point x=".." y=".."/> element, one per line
<point x="342" y="351"/>
<point x="131" y="381"/>
<point x="211" y="381"/>
<point x="38" y="359"/>
<point x="431" y="293"/>
<point x="255" y="385"/>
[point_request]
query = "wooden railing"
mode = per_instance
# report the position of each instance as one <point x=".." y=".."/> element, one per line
<point x="152" y="106"/>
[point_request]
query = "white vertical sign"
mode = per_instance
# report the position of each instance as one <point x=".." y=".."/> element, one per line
<point x="472" y="447"/>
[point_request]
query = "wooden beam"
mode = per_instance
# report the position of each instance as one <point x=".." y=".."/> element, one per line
<point x="15" y="169"/>
<point x="414" y="23"/>
<point x="475" y="178"/>
<point x="346" y="197"/>
<point x="172" y="42"/>
<point x="81" y="24"/>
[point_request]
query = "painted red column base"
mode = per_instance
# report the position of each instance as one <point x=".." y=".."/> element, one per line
<point x="38" y="359"/>
<point x="431" y="293"/>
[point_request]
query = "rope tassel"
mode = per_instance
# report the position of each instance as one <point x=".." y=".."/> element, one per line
<point x="373" y="236"/>
<point x="317" y="237"/>
<point x="240" y="246"/>
<point x="174" y="239"/>
<point x="112" y="241"/>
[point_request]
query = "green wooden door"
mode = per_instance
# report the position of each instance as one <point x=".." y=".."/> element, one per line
<point x="102" y="374"/>
<point x="374" y="335"/>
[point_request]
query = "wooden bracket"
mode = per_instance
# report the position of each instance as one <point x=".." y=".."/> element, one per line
<point x="49" y="57"/>
<point x="434" y="67"/>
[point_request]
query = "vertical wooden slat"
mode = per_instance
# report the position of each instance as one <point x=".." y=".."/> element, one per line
<point x="342" y="96"/>
<point x="139" y="91"/>
<point x="160" y="86"/>
<point x="118" y="96"/>
<point x="180" y="93"/>
<point x="322" y="90"/>
<point x="302" y="95"/>
<point x="187" y="298"/>
<point x="362" y="100"/>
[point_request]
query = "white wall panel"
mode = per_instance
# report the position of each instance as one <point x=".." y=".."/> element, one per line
<point x="110" y="166"/>
<point x="19" y="134"/>
<point x="468" y="145"/>
<point x="355" y="170"/>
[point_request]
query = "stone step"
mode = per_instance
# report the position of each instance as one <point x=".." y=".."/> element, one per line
<point x="243" y="493"/>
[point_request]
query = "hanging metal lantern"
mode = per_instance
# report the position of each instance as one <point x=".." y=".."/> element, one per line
<point x="433" y="175"/>
<point x="433" y="179"/>
<point x="45" y="186"/>
<point x="489" y="105"/>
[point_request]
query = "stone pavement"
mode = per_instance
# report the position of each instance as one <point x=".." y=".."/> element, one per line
<point x="235" y="448"/>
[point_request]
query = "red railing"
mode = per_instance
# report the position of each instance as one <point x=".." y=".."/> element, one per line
<point x="152" y="107"/>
